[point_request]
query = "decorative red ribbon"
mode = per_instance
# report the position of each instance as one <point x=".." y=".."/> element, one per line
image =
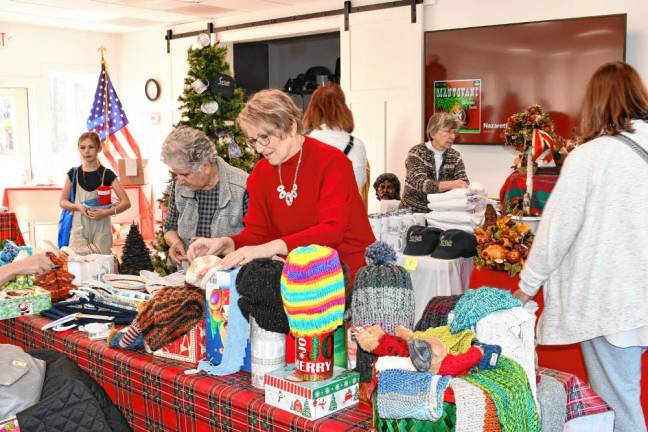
<point x="542" y="141"/>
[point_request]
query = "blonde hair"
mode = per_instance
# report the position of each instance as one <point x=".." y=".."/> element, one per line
<point x="273" y="111"/>
<point x="442" y="120"/>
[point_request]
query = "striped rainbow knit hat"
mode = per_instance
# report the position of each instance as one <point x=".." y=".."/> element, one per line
<point x="312" y="290"/>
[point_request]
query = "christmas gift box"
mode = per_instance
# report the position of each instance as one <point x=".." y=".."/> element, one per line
<point x="218" y="290"/>
<point x="190" y="347"/>
<point x="15" y="302"/>
<point x="90" y="267"/>
<point x="311" y="399"/>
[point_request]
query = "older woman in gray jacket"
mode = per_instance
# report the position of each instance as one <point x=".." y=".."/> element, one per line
<point x="208" y="198"/>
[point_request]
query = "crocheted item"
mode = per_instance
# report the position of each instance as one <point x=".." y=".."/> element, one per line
<point x="491" y="422"/>
<point x="475" y="304"/>
<point x="389" y="345"/>
<point x="436" y="312"/>
<point x="514" y="331"/>
<point x="383" y="292"/>
<point x="471" y="406"/>
<point x="508" y="386"/>
<point x="427" y="354"/>
<point x="259" y="286"/>
<point x="444" y="424"/>
<point x="117" y="339"/>
<point x="238" y="335"/>
<point x="403" y="394"/>
<point x="456" y="343"/>
<point x="552" y="398"/>
<point x="312" y="289"/>
<point x="171" y="313"/>
<point x="364" y="364"/>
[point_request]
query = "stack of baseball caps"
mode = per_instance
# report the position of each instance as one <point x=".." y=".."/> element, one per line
<point x="448" y="244"/>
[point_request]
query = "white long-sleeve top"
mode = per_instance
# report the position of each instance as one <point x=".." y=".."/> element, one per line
<point x="591" y="249"/>
<point x="339" y="139"/>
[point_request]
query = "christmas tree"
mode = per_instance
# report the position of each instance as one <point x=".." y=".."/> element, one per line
<point x="136" y="255"/>
<point x="333" y="405"/>
<point x="306" y="412"/>
<point x="205" y="107"/>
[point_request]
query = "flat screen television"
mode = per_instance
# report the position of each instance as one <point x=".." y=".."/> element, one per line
<point x="485" y="74"/>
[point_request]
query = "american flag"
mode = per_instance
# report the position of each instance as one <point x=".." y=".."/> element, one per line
<point x="118" y="142"/>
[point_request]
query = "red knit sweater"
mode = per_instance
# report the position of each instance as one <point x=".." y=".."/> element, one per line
<point x="328" y="210"/>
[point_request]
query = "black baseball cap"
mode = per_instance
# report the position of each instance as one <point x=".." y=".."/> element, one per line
<point x="455" y="243"/>
<point x="421" y="240"/>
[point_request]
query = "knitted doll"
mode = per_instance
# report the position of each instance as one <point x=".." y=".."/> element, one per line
<point x="376" y="341"/>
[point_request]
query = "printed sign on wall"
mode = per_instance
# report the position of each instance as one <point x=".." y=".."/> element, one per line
<point x="461" y="98"/>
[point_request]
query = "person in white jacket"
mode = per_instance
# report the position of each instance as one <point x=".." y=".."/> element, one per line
<point x="331" y="122"/>
<point x="591" y="249"/>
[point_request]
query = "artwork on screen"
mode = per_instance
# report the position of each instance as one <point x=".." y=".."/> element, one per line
<point x="485" y="74"/>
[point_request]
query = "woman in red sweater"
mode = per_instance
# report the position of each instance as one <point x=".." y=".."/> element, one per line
<point x="301" y="192"/>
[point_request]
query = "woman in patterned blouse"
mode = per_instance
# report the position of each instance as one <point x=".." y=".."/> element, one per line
<point x="433" y="166"/>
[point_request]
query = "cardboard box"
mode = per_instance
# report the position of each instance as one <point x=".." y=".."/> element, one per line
<point x="188" y="348"/>
<point x="217" y="292"/>
<point x="312" y="399"/>
<point x="93" y="267"/>
<point x="24" y="301"/>
<point x="132" y="172"/>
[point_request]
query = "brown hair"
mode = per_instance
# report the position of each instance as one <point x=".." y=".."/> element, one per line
<point x="273" y="111"/>
<point x="328" y="106"/>
<point x="92" y="136"/>
<point x="442" y="120"/>
<point x="615" y="95"/>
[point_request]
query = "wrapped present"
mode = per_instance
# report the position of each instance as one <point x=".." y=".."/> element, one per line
<point x="311" y="399"/>
<point x="90" y="267"/>
<point x="19" y="301"/>
<point x="190" y="347"/>
<point x="218" y="289"/>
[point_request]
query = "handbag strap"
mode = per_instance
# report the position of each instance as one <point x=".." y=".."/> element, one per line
<point x="73" y="188"/>
<point x="349" y="146"/>
<point x="634" y="146"/>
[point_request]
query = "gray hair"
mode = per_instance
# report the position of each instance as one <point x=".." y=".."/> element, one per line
<point x="442" y="120"/>
<point x="188" y="147"/>
<point x="273" y="111"/>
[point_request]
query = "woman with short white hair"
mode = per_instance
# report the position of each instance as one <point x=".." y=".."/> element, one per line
<point x="208" y="197"/>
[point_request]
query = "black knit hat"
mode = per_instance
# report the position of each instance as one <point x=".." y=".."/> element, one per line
<point x="259" y="286"/>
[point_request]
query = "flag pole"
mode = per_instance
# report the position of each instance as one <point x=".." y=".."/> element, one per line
<point x="102" y="50"/>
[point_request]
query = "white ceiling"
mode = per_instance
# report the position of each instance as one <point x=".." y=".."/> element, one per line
<point x="122" y="16"/>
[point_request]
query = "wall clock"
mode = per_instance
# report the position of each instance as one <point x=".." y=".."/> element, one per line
<point x="152" y="89"/>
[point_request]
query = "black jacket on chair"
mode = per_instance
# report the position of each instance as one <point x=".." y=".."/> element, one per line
<point x="71" y="401"/>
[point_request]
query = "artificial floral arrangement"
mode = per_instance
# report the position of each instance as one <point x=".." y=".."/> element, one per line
<point x="502" y="244"/>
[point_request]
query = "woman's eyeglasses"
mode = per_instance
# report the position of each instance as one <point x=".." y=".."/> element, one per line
<point x="261" y="140"/>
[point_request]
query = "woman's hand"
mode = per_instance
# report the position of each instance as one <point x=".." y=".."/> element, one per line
<point x="201" y="246"/>
<point x="245" y="254"/>
<point x="36" y="264"/>
<point x="98" y="214"/>
<point x="524" y="298"/>
<point x="82" y="209"/>
<point x="177" y="252"/>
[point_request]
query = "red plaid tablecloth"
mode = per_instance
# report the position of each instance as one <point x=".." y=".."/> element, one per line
<point x="155" y="395"/>
<point x="9" y="229"/>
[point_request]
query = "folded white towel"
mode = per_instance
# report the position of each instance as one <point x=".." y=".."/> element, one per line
<point x="459" y="204"/>
<point x="457" y="217"/>
<point x="469" y="228"/>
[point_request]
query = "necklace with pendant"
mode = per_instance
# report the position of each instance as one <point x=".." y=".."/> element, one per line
<point x="289" y="197"/>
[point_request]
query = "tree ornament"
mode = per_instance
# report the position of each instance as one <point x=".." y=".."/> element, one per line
<point x="209" y="107"/>
<point x="233" y="149"/>
<point x="204" y="40"/>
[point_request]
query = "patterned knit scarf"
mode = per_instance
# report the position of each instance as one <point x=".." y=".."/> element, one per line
<point x="475" y="304"/>
<point x="508" y="387"/>
<point x="436" y="312"/>
<point x="171" y="313"/>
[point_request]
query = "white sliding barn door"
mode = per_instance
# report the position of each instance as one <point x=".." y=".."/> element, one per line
<point x="382" y="76"/>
